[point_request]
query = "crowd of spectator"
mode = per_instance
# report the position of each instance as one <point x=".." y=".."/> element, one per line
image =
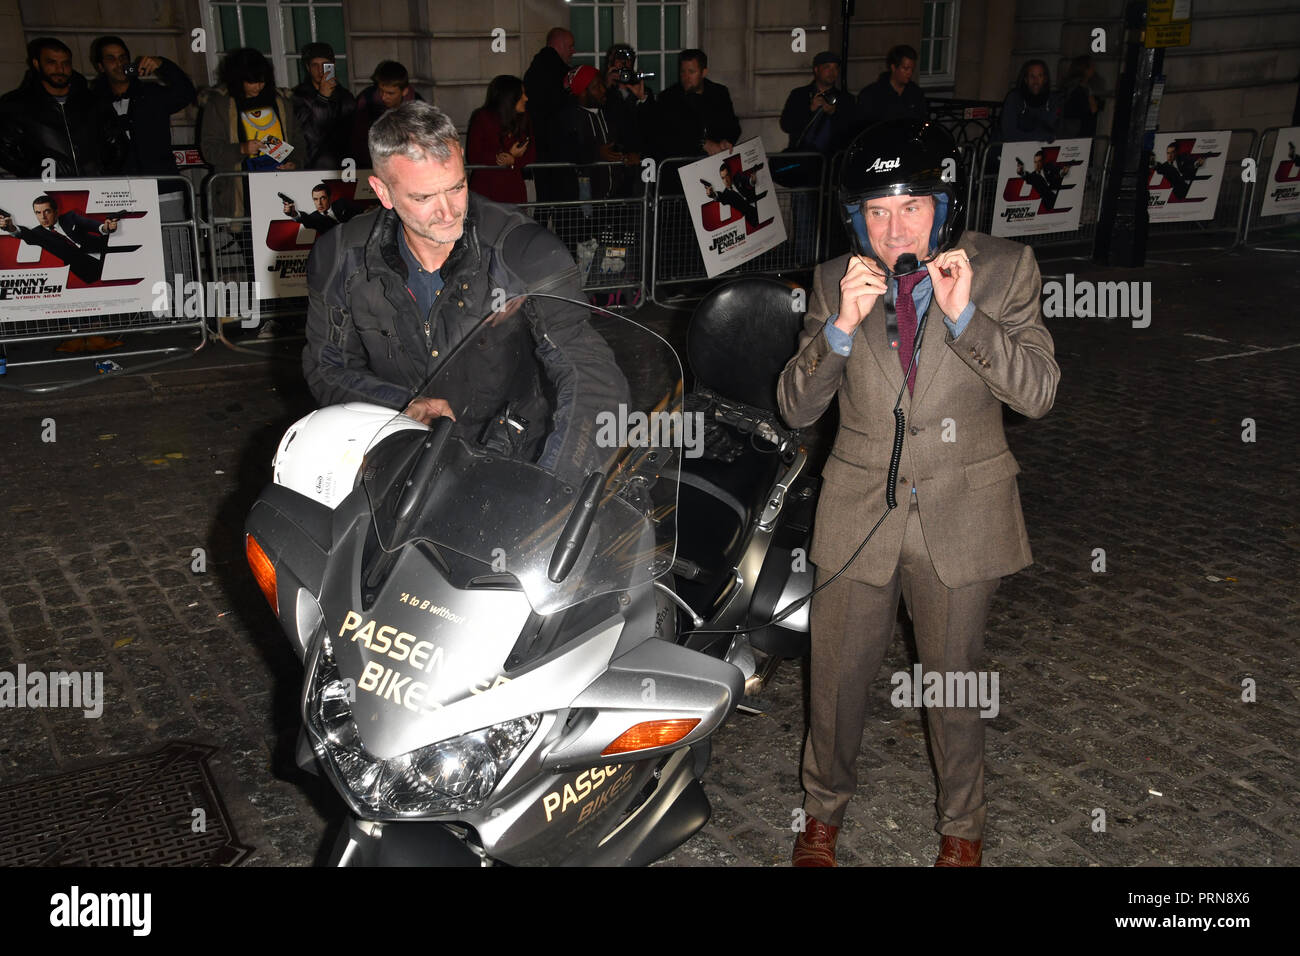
<point x="557" y="113"/>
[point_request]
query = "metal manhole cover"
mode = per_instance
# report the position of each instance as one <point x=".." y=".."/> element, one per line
<point x="134" y="811"/>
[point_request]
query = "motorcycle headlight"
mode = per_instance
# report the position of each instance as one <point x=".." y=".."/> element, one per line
<point x="449" y="776"/>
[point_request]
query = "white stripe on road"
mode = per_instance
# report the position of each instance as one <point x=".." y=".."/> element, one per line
<point x="1208" y="338"/>
<point x="1254" y="351"/>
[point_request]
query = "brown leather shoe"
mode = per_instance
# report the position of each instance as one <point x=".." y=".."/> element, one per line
<point x="954" y="851"/>
<point x="816" y="845"/>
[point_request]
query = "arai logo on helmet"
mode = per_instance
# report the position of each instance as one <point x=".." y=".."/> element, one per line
<point x="884" y="165"/>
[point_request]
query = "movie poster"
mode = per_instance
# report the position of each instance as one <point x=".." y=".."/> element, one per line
<point x="1040" y="187"/>
<point x="733" y="206"/>
<point x="1185" y="176"/>
<point x="289" y="210"/>
<point x="1280" y="179"/>
<point x="78" y="247"/>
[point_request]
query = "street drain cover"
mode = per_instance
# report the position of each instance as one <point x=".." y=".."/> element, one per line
<point x="155" y="809"/>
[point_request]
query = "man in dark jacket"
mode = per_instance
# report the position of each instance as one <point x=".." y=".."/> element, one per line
<point x="582" y="136"/>
<point x="819" y="117"/>
<point x="1031" y="113"/>
<point x="893" y="95"/>
<point x="390" y="87"/>
<point x="694" y="115"/>
<point x="323" y="109"/>
<point x="392" y="292"/>
<point x="629" y="102"/>
<point x="78" y="240"/>
<point x="544" y="84"/>
<point x="1181" y="168"/>
<point x="53" y="115"/>
<point x="144" y="109"/>
<point x="326" y="215"/>
<point x="740" y="191"/>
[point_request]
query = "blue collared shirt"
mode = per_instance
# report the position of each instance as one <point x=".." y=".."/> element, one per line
<point x="424" y="285"/>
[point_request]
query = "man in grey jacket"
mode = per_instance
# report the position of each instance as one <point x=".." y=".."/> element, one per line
<point x="393" y="292"/>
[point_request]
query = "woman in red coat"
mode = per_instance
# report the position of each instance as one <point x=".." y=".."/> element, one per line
<point x="499" y="135"/>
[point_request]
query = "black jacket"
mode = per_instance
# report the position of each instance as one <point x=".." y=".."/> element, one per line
<point x="578" y="134"/>
<point x="832" y="133"/>
<point x="325" y="124"/>
<point x="82" y="254"/>
<point x="148" y="118"/>
<point x="684" y="120"/>
<point x="544" y="83"/>
<point x="1026" y="120"/>
<point x="630" y="120"/>
<point x="797" y="120"/>
<point x="366" y="341"/>
<point x="878" y="102"/>
<point x="82" y="135"/>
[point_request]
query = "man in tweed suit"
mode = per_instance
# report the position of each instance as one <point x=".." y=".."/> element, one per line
<point x="957" y="528"/>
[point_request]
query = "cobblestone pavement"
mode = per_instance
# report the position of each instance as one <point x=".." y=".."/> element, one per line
<point x="1121" y="690"/>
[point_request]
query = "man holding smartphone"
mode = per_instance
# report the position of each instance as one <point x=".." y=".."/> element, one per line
<point x="144" y="92"/>
<point x="323" y="108"/>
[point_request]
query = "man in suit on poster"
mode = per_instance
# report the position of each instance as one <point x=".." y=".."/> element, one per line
<point x="77" y="240"/>
<point x="982" y="345"/>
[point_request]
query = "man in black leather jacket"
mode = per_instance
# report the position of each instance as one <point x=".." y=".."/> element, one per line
<point x="54" y="115"/>
<point x="393" y="292"/>
<point x="323" y="108"/>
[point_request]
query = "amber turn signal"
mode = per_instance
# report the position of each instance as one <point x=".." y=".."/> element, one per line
<point x="263" y="570"/>
<point x="651" y="733"/>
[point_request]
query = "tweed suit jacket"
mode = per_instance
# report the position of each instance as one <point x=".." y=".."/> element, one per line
<point x="965" y="486"/>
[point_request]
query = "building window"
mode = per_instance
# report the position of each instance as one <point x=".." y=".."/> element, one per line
<point x="938" y="42"/>
<point x="280" y="29"/>
<point x="657" y="29"/>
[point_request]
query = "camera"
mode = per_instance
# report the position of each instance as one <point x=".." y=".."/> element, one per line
<point x="630" y="77"/>
<point x="132" y="69"/>
<point x="830" y="96"/>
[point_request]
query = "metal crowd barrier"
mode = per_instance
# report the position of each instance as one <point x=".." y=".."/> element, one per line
<point x="677" y="260"/>
<point x="1252" y="203"/>
<point x="971" y="122"/>
<point x="1226" y="229"/>
<point x="606" y="236"/>
<point x="984" y="186"/>
<point x="180" y="248"/>
<point x="229" y="238"/>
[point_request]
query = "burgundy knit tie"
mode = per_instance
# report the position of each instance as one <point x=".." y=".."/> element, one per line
<point x="905" y="310"/>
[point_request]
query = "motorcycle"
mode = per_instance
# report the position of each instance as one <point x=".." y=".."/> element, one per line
<point x="504" y="663"/>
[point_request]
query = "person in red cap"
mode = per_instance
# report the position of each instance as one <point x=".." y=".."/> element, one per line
<point x="582" y="136"/>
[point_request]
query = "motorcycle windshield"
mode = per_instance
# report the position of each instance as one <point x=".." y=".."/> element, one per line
<point x="553" y="460"/>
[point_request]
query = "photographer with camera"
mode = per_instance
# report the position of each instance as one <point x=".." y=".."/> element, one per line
<point x="629" y="105"/>
<point x="144" y="106"/>
<point x="820" y="118"/>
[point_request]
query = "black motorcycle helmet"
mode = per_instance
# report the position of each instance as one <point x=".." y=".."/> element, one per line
<point x="901" y="158"/>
